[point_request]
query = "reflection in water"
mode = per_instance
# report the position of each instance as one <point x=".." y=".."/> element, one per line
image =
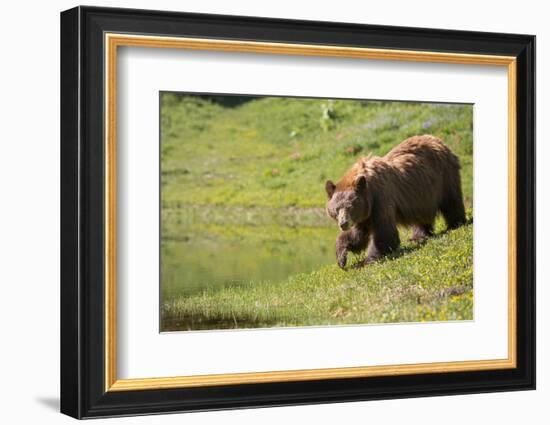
<point x="210" y="260"/>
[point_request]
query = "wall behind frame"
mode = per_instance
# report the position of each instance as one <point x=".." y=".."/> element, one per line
<point x="29" y="217"/>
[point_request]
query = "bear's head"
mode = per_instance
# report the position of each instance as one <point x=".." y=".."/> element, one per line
<point x="349" y="205"/>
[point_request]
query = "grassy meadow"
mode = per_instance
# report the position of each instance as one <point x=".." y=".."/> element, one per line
<point x="245" y="241"/>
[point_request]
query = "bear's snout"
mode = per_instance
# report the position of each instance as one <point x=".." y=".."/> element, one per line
<point x="344" y="221"/>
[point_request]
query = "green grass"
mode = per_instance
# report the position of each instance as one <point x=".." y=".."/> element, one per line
<point x="429" y="282"/>
<point x="277" y="152"/>
<point x="248" y="179"/>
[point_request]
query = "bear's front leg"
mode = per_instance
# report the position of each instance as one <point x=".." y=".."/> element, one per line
<point x="355" y="240"/>
<point x="342" y="249"/>
<point x="385" y="237"/>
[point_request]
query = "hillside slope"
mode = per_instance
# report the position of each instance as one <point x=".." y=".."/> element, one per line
<point x="245" y="238"/>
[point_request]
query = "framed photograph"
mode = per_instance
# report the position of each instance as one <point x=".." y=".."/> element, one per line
<point x="261" y="212"/>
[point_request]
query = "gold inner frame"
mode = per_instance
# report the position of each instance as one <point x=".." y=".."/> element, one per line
<point x="113" y="41"/>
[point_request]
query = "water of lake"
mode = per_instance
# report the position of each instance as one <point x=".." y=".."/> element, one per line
<point x="211" y="259"/>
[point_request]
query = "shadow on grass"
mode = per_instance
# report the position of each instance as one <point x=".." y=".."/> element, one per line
<point x="202" y="322"/>
<point x="229" y="101"/>
<point x="406" y="249"/>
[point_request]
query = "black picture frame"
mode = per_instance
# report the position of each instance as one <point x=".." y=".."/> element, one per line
<point x="83" y="392"/>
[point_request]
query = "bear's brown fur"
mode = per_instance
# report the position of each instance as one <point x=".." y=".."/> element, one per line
<point x="409" y="186"/>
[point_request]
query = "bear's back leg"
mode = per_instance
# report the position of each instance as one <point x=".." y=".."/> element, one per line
<point x="452" y="205"/>
<point x="421" y="232"/>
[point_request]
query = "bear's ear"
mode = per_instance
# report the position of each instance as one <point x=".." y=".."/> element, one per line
<point x="330" y="188"/>
<point x="360" y="184"/>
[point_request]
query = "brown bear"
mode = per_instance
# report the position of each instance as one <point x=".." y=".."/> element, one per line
<point x="408" y="186"/>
